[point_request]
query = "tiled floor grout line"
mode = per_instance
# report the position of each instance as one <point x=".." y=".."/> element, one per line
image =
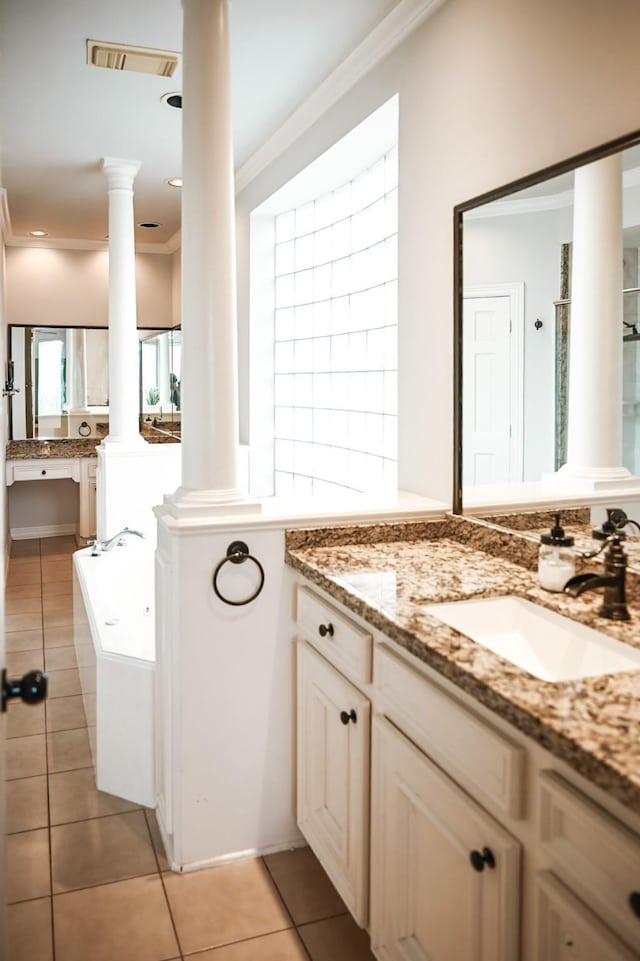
<point x="166" y="897"/>
<point x="286" y="907"/>
<point x="46" y="755"/>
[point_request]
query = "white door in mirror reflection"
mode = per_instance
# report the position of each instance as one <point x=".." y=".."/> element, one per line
<point x="492" y="394"/>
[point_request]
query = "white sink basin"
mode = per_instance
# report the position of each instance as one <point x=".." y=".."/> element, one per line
<point x="546" y="644"/>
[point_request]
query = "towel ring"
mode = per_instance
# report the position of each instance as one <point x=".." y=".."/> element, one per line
<point x="238" y="553"/>
<point x="84" y="430"/>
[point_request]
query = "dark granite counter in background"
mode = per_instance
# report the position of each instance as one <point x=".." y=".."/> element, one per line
<point x="388" y="573"/>
<point x="70" y="447"/>
<point x="65" y="447"/>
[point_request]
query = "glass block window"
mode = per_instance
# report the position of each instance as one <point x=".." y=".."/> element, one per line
<point x="335" y="363"/>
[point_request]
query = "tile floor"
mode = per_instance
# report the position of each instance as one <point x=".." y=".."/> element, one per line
<point x="87" y="877"/>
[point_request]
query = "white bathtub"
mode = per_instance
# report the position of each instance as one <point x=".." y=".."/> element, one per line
<point x="114" y="636"/>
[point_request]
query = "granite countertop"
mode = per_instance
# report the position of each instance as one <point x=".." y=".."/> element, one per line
<point x="64" y="447"/>
<point x="387" y="573"/>
<point x="69" y="447"/>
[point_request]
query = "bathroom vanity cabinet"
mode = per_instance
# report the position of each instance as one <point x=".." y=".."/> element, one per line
<point x="81" y="470"/>
<point x="480" y="844"/>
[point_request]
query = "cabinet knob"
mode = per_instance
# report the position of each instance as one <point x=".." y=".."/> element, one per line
<point x="325" y="629"/>
<point x="43" y="472"/>
<point x="480" y="858"/>
<point x="634" y="901"/>
<point x="345" y="716"/>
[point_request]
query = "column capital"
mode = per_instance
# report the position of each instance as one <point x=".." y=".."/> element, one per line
<point x="120" y="173"/>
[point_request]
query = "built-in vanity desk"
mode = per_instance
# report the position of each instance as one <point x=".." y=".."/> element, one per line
<point x="464" y="808"/>
<point x="47" y="460"/>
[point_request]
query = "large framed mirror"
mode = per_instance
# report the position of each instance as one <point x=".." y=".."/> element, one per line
<point x="62" y="379"/>
<point x="512" y="329"/>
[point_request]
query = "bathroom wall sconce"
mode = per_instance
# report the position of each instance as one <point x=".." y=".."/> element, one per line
<point x="9" y="389"/>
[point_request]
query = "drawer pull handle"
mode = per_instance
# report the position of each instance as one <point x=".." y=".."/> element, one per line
<point x="43" y="472"/>
<point x="480" y="858"/>
<point x="350" y="716"/>
<point x="325" y="629"/>
<point x="634" y="901"/>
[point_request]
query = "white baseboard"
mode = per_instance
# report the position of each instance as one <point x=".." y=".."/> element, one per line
<point x="50" y="530"/>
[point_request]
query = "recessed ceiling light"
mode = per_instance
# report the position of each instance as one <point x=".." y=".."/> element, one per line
<point x="172" y="100"/>
<point x="149" y="225"/>
<point x="175" y="182"/>
<point x="38" y="233"/>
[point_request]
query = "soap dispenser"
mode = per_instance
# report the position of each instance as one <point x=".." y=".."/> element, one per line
<point x="556" y="558"/>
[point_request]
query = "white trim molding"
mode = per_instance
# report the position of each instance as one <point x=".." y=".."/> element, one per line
<point x="71" y="243"/>
<point x="49" y="530"/>
<point x="405" y="17"/>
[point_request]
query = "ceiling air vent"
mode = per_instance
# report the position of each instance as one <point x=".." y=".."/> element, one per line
<point x="119" y="56"/>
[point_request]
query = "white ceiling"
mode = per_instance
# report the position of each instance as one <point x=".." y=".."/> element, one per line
<point x="59" y="116"/>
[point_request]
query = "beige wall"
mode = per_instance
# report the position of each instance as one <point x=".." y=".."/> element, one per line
<point x="69" y="288"/>
<point x="490" y="90"/>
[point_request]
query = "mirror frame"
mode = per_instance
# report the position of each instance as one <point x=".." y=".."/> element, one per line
<point x="631" y="139"/>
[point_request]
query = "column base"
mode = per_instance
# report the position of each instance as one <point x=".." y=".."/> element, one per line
<point x="591" y="480"/>
<point x="209" y="503"/>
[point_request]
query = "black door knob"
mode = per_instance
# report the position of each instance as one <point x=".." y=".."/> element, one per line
<point x="351" y="715"/>
<point x="634" y="901"/>
<point x="481" y="858"/>
<point x="325" y="629"/>
<point x="31" y="688"/>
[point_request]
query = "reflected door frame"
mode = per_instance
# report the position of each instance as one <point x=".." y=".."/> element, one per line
<point x="515" y="294"/>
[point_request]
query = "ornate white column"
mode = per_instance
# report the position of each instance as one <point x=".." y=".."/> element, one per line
<point x="594" y="442"/>
<point x="124" y="389"/>
<point x="209" y="336"/>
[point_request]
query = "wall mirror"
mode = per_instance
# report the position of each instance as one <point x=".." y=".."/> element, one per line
<point x="62" y="377"/>
<point x="512" y="330"/>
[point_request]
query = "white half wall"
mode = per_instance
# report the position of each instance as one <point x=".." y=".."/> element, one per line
<point x="130" y="483"/>
<point x="224" y="696"/>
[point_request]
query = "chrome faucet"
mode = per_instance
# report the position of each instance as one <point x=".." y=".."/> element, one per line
<point x="100" y="546"/>
<point x="614" y="604"/>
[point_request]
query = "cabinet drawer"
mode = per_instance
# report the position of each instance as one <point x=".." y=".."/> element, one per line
<point x="345" y="644"/>
<point x="566" y="929"/>
<point x="480" y="759"/>
<point x="594" y="853"/>
<point x="50" y="472"/>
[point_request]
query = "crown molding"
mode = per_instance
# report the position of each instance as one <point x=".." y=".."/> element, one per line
<point x="70" y="243"/>
<point x="405" y="17"/>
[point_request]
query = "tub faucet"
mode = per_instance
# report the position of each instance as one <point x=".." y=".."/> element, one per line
<point x="99" y="546"/>
<point x="614" y="604"/>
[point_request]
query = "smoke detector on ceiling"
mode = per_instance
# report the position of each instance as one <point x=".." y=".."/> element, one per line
<point x="120" y="56"/>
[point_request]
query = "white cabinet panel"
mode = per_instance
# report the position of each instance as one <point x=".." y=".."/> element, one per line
<point x="568" y="932"/>
<point x="333" y="776"/>
<point x="346" y="645"/>
<point x="479" y="758"/>
<point x="428" y="901"/>
<point x="591" y="851"/>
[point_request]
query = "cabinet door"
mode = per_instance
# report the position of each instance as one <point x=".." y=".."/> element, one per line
<point x="333" y="776"/>
<point x="428" y="901"/>
<point x="567" y="931"/>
